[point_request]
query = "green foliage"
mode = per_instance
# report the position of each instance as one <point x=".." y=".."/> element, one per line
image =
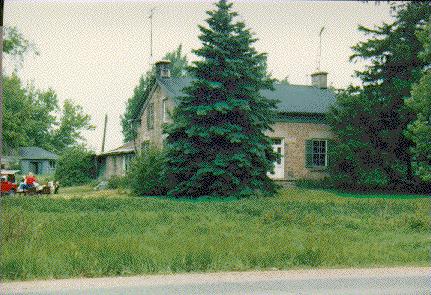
<point x="116" y="182"/>
<point x="91" y="233"/>
<point x="372" y="151"/>
<point x="31" y="118"/>
<point x="325" y="183"/>
<point x="146" y="175"/>
<point x="216" y="143"/>
<point x="15" y="46"/>
<point x="130" y="119"/>
<point x="72" y="121"/>
<point x="419" y="131"/>
<point x="75" y="166"/>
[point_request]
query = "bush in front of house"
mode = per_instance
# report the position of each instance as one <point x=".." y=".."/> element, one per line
<point x="116" y="182"/>
<point x="75" y="166"/>
<point x="325" y="183"/>
<point x="146" y="175"/>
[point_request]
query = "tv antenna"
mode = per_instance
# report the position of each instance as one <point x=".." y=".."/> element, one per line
<point x="320" y="48"/>
<point x="151" y="34"/>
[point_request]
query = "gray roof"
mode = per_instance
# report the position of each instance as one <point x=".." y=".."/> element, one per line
<point x="127" y="148"/>
<point x="36" y="153"/>
<point x="300" y="99"/>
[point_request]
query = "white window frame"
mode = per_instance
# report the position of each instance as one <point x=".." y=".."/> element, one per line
<point x="326" y="153"/>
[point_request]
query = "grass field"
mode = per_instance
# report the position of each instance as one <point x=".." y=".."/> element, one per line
<point x="85" y="233"/>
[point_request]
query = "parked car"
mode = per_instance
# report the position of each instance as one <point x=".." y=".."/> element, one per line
<point x="8" y="184"/>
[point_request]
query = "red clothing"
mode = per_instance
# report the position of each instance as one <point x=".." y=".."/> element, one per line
<point x="30" y="180"/>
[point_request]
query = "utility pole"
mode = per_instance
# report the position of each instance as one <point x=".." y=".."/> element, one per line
<point x="104" y="133"/>
<point x="151" y="35"/>
<point x="320" y="48"/>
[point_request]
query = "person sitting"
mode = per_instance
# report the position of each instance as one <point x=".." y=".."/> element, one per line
<point x="22" y="185"/>
<point x="30" y="180"/>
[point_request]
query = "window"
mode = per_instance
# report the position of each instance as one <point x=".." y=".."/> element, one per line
<point x="52" y="164"/>
<point x="150" y="116"/>
<point x="165" y="114"/>
<point x="316" y="153"/>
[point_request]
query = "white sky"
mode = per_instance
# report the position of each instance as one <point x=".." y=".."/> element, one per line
<point x="94" y="52"/>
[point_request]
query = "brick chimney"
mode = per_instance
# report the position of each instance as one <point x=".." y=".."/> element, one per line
<point x="163" y="69"/>
<point x="319" y="79"/>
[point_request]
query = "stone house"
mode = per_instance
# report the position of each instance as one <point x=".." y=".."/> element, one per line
<point x="300" y="134"/>
<point x="115" y="162"/>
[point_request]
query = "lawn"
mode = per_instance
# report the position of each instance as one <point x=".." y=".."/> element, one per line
<point x="82" y="233"/>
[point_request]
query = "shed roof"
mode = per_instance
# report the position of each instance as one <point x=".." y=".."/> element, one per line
<point x="127" y="148"/>
<point x="301" y="99"/>
<point x="36" y="153"/>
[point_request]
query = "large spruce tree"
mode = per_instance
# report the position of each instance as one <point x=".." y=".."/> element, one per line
<point x="369" y="121"/>
<point x="216" y="145"/>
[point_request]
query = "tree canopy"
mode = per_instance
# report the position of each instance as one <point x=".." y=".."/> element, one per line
<point x="216" y="144"/>
<point x="419" y="131"/>
<point x="16" y="46"/>
<point x="33" y="117"/>
<point x="370" y="121"/>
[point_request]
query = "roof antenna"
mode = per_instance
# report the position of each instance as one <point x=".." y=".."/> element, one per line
<point x="151" y="35"/>
<point x="320" y="48"/>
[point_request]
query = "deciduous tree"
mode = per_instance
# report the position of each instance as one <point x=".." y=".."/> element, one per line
<point x="419" y="131"/>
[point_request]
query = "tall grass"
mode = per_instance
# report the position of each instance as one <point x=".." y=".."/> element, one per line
<point x="108" y="234"/>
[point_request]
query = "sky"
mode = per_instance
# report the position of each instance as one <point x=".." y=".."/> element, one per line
<point x="94" y="52"/>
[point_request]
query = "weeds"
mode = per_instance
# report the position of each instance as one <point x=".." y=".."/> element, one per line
<point x="83" y="233"/>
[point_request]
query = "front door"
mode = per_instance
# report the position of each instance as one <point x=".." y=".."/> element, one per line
<point x="278" y="147"/>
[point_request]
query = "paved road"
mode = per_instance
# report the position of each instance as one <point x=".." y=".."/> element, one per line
<point x="347" y="281"/>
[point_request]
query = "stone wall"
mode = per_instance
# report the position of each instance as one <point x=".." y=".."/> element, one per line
<point x="114" y="165"/>
<point x="294" y="135"/>
<point x="154" y="135"/>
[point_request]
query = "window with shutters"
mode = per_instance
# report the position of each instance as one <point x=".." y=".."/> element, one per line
<point x="316" y="153"/>
<point x="150" y="116"/>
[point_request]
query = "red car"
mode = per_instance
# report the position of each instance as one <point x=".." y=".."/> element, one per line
<point x="8" y="185"/>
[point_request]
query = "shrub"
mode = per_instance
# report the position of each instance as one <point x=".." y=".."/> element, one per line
<point x="325" y="183"/>
<point x="146" y="175"/>
<point x="117" y="182"/>
<point x="45" y="178"/>
<point x="75" y="166"/>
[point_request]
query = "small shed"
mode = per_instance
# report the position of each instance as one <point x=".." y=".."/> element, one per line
<point x="115" y="162"/>
<point x="37" y="160"/>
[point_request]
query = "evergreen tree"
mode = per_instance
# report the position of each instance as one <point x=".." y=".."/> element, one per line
<point x="216" y="145"/>
<point x="370" y="121"/>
